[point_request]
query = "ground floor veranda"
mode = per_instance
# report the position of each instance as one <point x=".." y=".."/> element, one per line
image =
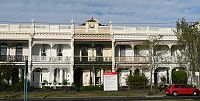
<point x="87" y="75"/>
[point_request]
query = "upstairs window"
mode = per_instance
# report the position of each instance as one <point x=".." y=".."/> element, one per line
<point x="3" y="49"/>
<point x="99" y="50"/>
<point x="43" y="50"/>
<point x="59" y="50"/>
<point x="19" y="49"/>
<point x="122" y="50"/>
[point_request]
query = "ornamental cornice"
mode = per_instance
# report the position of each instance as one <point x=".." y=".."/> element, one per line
<point x="14" y="33"/>
<point x="96" y="35"/>
<point x="52" y="42"/>
<point x="54" y="33"/>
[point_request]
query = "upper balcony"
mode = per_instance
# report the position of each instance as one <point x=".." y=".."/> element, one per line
<point x="92" y="59"/>
<point x="58" y="59"/>
<point x="13" y="58"/>
<point x="146" y="59"/>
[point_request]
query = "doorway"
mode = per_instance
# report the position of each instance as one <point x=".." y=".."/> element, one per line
<point x="78" y="78"/>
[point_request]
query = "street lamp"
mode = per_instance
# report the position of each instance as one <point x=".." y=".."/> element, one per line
<point x="25" y="80"/>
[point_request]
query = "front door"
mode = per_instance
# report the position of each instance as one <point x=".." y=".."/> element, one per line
<point x="36" y="78"/>
<point x="78" y="78"/>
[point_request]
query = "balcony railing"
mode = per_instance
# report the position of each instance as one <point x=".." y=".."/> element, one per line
<point x="132" y="59"/>
<point x="146" y="59"/>
<point x="13" y="58"/>
<point x="51" y="59"/>
<point x="92" y="59"/>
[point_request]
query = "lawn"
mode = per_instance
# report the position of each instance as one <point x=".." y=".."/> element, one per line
<point x="46" y="94"/>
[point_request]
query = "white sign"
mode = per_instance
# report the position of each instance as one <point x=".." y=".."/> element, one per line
<point x="197" y="73"/>
<point x="111" y="81"/>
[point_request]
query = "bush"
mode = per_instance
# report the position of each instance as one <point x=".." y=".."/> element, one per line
<point x="137" y="81"/>
<point x="179" y="77"/>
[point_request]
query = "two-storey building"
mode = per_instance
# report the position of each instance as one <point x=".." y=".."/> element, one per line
<point x="80" y="53"/>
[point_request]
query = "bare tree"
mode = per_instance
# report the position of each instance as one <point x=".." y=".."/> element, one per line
<point x="151" y="42"/>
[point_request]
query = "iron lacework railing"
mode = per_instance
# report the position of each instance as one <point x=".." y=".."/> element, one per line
<point x="13" y="58"/>
<point x="92" y="59"/>
<point x="146" y="59"/>
<point x="66" y="59"/>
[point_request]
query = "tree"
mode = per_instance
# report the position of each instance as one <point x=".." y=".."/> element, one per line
<point x="187" y="35"/>
<point x="151" y="43"/>
<point x="9" y="72"/>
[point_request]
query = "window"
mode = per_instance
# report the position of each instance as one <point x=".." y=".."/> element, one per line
<point x="43" y="50"/>
<point x="99" y="53"/>
<point x="3" y="51"/>
<point x="122" y="50"/>
<point x="19" y="51"/>
<point x="84" y="53"/>
<point x="59" y="50"/>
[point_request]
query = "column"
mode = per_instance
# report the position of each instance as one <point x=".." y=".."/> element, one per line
<point x="61" y="75"/>
<point x="72" y="62"/>
<point x="170" y="75"/>
<point x="51" y="78"/>
<point x="102" y="76"/>
<point x="170" y="55"/>
<point x="113" y="55"/>
<point x="93" y="76"/>
<point x="29" y="59"/>
<point x="51" y="45"/>
<point x="132" y="45"/>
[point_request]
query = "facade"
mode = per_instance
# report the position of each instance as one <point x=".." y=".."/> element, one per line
<point x="79" y="54"/>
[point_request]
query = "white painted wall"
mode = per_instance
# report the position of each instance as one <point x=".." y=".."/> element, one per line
<point x="45" y="75"/>
<point x="128" y="51"/>
<point x="123" y="77"/>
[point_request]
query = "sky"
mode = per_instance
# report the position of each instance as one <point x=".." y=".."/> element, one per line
<point x="117" y="11"/>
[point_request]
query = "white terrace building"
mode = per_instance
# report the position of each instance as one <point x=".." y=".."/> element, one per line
<point x="80" y="54"/>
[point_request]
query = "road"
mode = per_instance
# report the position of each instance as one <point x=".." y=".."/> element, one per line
<point x="110" y="98"/>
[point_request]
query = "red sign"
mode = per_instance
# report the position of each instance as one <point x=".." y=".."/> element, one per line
<point x="110" y="73"/>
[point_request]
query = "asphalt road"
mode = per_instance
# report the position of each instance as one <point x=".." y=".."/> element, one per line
<point x="109" y="98"/>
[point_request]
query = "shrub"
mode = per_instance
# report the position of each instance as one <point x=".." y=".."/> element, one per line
<point x="179" y="77"/>
<point x="137" y="81"/>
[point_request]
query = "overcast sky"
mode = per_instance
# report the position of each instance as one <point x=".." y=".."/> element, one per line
<point x="123" y="11"/>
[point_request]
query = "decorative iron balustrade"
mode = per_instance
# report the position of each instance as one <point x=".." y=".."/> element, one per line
<point x="132" y="59"/>
<point x="146" y="59"/>
<point x="51" y="59"/>
<point x="13" y="58"/>
<point x="99" y="59"/>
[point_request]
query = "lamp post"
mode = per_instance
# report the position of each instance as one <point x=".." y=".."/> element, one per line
<point x="25" y="80"/>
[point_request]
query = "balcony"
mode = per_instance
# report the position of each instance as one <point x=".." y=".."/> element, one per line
<point x="146" y="59"/>
<point x="93" y="59"/>
<point x="13" y="58"/>
<point x="132" y="59"/>
<point x="65" y="59"/>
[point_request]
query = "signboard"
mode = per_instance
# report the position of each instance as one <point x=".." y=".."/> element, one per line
<point x="111" y="81"/>
<point x="197" y="73"/>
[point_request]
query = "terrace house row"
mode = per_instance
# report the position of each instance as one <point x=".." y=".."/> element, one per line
<point x="81" y="53"/>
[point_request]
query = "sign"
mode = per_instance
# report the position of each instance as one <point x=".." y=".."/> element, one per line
<point x="197" y="73"/>
<point x="111" y="81"/>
